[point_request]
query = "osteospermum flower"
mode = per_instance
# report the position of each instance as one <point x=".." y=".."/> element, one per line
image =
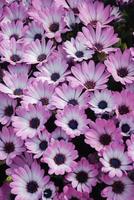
<point x="11" y="51"/>
<point x="99" y="39"/>
<point x="102" y="102"/>
<point x="52" y="20"/>
<point x="59" y="134"/>
<point x="12" y="30"/>
<point x="115" y="160"/>
<point x="71" y="20"/>
<point x="89" y="75"/>
<point x="121" y="66"/>
<point x="118" y="188"/>
<point x="28" y="182"/>
<point x="78" y="51"/>
<point x="65" y="95"/>
<point x="102" y="133"/>
<point x="10" y="145"/>
<point x="73" y="120"/>
<point x="38" y="91"/>
<point x="7" y="108"/>
<point x="14" y="84"/>
<point x="126" y="124"/>
<point x="93" y="12"/>
<point x="30" y="121"/>
<point x="38" y="144"/>
<point x="83" y="176"/>
<point x="38" y="51"/>
<point x="60" y="157"/>
<point x="49" y="191"/>
<point x="17" y="69"/>
<point x="124" y="102"/>
<point x="55" y="71"/>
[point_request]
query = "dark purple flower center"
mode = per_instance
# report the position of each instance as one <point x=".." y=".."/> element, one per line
<point x="18" y="92"/>
<point x="79" y="54"/>
<point x="15" y="58"/>
<point x="82" y="177"/>
<point x="123" y="109"/>
<point x="54" y="27"/>
<point x="122" y="72"/>
<point x="89" y="85"/>
<point x="115" y="163"/>
<point x="125" y="128"/>
<point x="32" y="187"/>
<point x="105" y="139"/>
<point x="34" y="123"/>
<point x="47" y="193"/>
<point x="74" y="198"/>
<point x="55" y="76"/>
<point x="59" y="159"/>
<point x="44" y="101"/>
<point x="41" y="57"/>
<point x="15" y="36"/>
<point x="9" y="147"/>
<point x="73" y="102"/>
<point x="102" y="104"/>
<point x="75" y="10"/>
<point x="73" y="124"/>
<point x="9" y="111"/>
<point x="38" y="36"/>
<point x="43" y="145"/>
<point x="118" y="187"/>
<point x="98" y="46"/>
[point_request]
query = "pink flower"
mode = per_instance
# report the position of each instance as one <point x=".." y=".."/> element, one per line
<point x="10" y="145"/>
<point x="49" y="191"/>
<point x="115" y="160"/>
<point x="102" y="133"/>
<point x="30" y="121"/>
<point x="121" y="66"/>
<point x="99" y="39"/>
<point x="83" y="176"/>
<point x="60" y="156"/>
<point x="89" y="75"/>
<point x="126" y="124"/>
<point x="73" y="120"/>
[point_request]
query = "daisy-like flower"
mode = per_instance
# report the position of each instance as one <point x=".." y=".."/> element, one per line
<point x="52" y="19"/>
<point x="83" y="176"/>
<point x="30" y="121"/>
<point x="38" y="51"/>
<point x="59" y="134"/>
<point x="118" y="188"/>
<point x="10" y="145"/>
<point x="121" y="66"/>
<point x="102" y="102"/>
<point x="38" y="144"/>
<point x="130" y="146"/>
<point x="66" y="94"/>
<point x="38" y="91"/>
<point x="34" y="31"/>
<point x="12" y="30"/>
<point x="17" y="69"/>
<point x="60" y="157"/>
<point x="28" y="182"/>
<point x="14" y="84"/>
<point x="124" y="102"/>
<point x="15" y="12"/>
<point x="7" y="108"/>
<point x="102" y="133"/>
<point x="115" y="160"/>
<point x="54" y="71"/>
<point x="71" y="20"/>
<point x="93" y="12"/>
<point x="71" y="193"/>
<point x="73" y="120"/>
<point x="126" y="124"/>
<point x="78" y="51"/>
<point x="99" y="39"/>
<point x="49" y="191"/>
<point x="89" y="75"/>
<point x="11" y="51"/>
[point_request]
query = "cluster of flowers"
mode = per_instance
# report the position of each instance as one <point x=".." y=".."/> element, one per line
<point x="60" y="117"/>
